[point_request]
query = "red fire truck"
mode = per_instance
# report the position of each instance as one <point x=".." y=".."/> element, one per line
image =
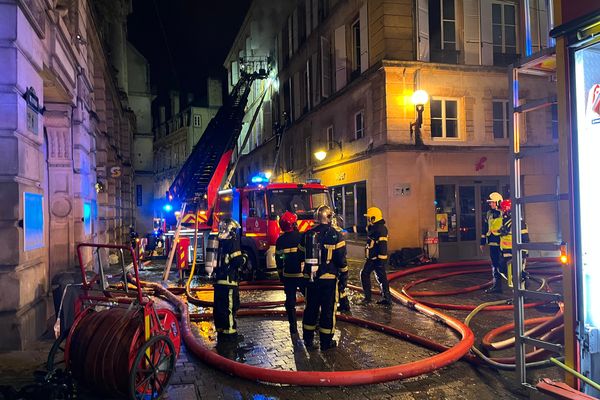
<point x="258" y="207"/>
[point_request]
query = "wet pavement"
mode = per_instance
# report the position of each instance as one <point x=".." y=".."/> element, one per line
<point x="266" y="343"/>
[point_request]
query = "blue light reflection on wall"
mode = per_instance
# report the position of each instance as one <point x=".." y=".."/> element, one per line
<point x="87" y="218"/>
<point x="33" y="221"/>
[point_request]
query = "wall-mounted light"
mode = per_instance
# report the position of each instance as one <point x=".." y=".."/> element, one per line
<point x="79" y="39"/>
<point x="321" y="154"/>
<point x="99" y="187"/>
<point x="419" y="98"/>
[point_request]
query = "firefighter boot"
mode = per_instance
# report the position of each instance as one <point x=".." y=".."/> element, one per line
<point x="385" y="293"/>
<point x="308" y="337"/>
<point x="327" y="342"/>
<point x="496" y="286"/>
<point x="293" y="325"/>
<point x="344" y="304"/>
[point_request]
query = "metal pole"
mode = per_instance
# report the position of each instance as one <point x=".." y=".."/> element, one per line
<point x="173" y="245"/>
<point x="514" y="132"/>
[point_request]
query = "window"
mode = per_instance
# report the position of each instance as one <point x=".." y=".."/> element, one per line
<point x="442" y="31"/>
<point x="356" y="45"/>
<point x="256" y="206"/>
<point x="308" y="151"/>
<point x="504" y="33"/>
<point x="554" y="114"/>
<point x="359" y="125"/>
<point x="500" y="119"/>
<point x="197" y="121"/>
<point x="448" y="25"/>
<point x="444" y="118"/>
<point x="330" y="138"/>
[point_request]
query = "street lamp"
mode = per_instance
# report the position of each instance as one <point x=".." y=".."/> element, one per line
<point x="419" y="98"/>
<point x="321" y="154"/>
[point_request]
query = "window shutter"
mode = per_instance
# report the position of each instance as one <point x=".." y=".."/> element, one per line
<point x="487" y="43"/>
<point x="340" y="57"/>
<point x="472" y="40"/>
<point x="423" y="27"/>
<point x="314" y="79"/>
<point x="364" y="38"/>
<point x="325" y="67"/>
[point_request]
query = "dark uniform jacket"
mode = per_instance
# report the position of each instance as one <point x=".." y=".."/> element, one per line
<point x="506" y="236"/>
<point x="230" y="260"/>
<point x="332" y="260"/>
<point x="288" y="256"/>
<point x="490" y="232"/>
<point x="376" y="248"/>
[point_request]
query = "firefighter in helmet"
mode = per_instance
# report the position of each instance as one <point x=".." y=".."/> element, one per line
<point x="289" y="265"/>
<point x="490" y="235"/>
<point x="506" y="242"/>
<point x="325" y="264"/>
<point x="227" y="295"/>
<point x="376" y="256"/>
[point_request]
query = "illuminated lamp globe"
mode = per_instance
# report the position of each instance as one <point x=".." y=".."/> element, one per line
<point x="320" y="155"/>
<point x="419" y="97"/>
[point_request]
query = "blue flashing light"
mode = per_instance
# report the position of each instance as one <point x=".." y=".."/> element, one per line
<point x="259" y="179"/>
<point x="314" y="180"/>
<point x="167" y="207"/>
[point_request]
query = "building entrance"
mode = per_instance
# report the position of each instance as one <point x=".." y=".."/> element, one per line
<point x="460" y="206"/>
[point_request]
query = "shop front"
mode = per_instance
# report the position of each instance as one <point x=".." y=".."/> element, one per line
<point x="460" y="207"/>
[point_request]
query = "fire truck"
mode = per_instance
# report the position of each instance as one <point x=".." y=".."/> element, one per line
<point x="258" y="207"/>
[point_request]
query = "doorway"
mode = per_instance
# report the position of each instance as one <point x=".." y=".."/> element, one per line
<point x="460" y="207"/>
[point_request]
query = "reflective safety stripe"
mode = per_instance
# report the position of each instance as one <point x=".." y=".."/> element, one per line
<point x="493" y="244"/>
<point x="340" y="244"/>
<point x="382" y="257"/>
<point x="383" y="239"/>
<point x="328" y="276"/>
<point x="235" y="254"/>
<point x="344" y="269"/>
<point x="307" y="276"/>
<point x="494" y="225"/>
<point x="373" y="258"/>
<point x="227" y="282"/>
<point x="309" y="327"/>
<point x="301" y="248"/>
<point x="290" y="250"/>
<point x="327" y="331"/>
<point x="279" y="252"/>
<point x="292" y="275"/>
<point x="230" y="309"/>
<point x="343" y="294"/>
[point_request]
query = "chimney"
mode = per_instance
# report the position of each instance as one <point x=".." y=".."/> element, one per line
<point x="215" y="92"/>
<point x="174" y="95"/>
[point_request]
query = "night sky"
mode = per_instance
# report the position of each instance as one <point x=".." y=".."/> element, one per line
<point x="194" y="41"/>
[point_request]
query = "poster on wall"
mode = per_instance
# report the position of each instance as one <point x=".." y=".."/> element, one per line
<point x="441" y="222"/>
<point x="33" y="221"/>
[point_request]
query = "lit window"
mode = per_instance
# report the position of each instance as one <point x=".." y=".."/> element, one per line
<point x="444" y="118"/>
<point x="197" y="121"/>
<point x="330" y="138"/>
<point x="500" y="119"/>
<point x="359" y="125"/>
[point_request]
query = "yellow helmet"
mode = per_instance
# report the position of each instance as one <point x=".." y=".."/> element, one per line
<point x="373" y="215"/>
<point x="495" y="197"/>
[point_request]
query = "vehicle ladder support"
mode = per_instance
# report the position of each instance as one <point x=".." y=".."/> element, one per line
<point x="516" y="111"/>
<point x="174" y="244"/>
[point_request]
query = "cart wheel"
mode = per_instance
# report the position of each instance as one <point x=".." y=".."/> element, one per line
<point x="152" y="368"/>
<point x="56" y="356"/>
<point x="171" y="326"/>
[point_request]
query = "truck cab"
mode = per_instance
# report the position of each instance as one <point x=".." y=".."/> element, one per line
<point x="258" y="207"/>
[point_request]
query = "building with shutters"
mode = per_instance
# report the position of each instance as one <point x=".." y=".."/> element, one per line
<point x="346" y="73"/>
<point x="66" y="134"/>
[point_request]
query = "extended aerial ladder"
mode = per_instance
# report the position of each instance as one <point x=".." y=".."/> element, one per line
<point x="197" y="182"/>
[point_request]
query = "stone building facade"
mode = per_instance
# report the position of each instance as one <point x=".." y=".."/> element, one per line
<point x="66" y="133"/>
<point x="346" y="74"/>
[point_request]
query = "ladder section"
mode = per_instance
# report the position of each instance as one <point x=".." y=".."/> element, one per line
<point x="541" y="64"/>
<point x="200" y="176"/>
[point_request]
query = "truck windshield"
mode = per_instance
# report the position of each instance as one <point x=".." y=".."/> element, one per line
<point x="303" y="202"/>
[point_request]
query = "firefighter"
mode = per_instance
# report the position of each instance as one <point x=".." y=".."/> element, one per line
<point x="325" y="264"/>
<point x="376" y="257"/>
<point x="289" y="265"/>
<point x="506" y="242"/>
<point x="490" y="235"/>
<point x="227" y="295"/>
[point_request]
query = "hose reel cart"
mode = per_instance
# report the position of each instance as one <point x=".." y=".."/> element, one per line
<point x="119" y="342"/>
